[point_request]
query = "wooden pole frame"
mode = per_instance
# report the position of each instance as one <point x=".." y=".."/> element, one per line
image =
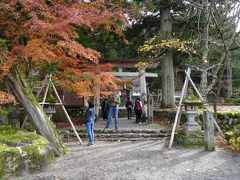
<point x="65" y="111"/>
<point x="184" y="89"/>
<point x="177" y="117"/>
<point x="205" y="105"/>
<point x="48" y="78"/>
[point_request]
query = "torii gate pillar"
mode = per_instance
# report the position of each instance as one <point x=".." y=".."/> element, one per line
<point x="143" y="90"/>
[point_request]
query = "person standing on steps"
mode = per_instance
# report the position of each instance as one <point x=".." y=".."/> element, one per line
<point x="129" y="107"/>
<point x="89" y="122"/>
<point x="138" y="110"/>
<point x="113" y="102"/>
<point x="105" y="108"/>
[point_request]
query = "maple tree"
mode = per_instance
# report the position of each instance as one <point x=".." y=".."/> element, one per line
<point x="43" y="31"/>
<point x="6" y="98"/>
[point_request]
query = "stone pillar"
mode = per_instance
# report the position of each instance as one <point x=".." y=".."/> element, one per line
<point x="209" y="140"/>
<point x="150" y="109"/>
<point x="143" y="90"/>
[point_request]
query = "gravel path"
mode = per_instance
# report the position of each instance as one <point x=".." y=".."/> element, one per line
<point x="141" y="161"/>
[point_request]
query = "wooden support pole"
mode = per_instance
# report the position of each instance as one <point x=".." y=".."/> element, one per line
<point x="47" y="103"/>
<point x="180" y="113"/>
<point x="42" y="86"/>
<point x="184" y="89"/>
<point x="218" y="128"/>
<point x="45" y="96"/>
<point x="194" y="86"/>
<point x="205" y="105"/>
<point x="65" y="111"/>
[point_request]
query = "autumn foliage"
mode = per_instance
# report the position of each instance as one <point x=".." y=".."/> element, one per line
<point x="42" y="31"/>
<point x="6" y="98"/>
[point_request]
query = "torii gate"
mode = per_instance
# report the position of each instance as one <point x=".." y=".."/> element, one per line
<point x="130" y="63"/>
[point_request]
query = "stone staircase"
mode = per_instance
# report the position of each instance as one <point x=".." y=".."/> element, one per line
<point x="121" y="135"/>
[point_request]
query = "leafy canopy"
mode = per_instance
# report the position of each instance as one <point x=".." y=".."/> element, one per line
<point x="44" y="31"/>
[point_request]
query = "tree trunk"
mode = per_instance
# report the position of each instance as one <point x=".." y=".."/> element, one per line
<point x="41" y="121"/>
<point x="205" y="62"/>
<point x="225" y="82"/>
<point x="168" y="89"/>
<point x="229" y="80"/>
<point x="96" y="106"/>
<point x="204" y="84"/>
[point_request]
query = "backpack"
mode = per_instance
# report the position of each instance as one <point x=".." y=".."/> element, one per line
<point x="138" y="104"/>
<point x="129" y="106"/>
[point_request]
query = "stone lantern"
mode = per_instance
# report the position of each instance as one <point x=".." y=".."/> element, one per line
<point x="191" y="133"/>
<point x="191" y="114"/>
<point x="49" y="110"/>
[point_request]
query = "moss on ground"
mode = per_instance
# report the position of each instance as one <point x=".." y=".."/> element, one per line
<point x="28" y="134"/>
<point x="33" y="160"/>
<point x="40" y="142"/>
<point x="190" y="139"/>
<point x="9" y="134"/>
<point x="23" y="150"/>
<point x="7" y="129"/>
<point x="51" y="157"/>
<point x="65" y="149"/>
<point x="10" y="159"/>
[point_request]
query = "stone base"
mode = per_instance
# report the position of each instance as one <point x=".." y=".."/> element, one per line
<point x="190" y="138"/>
<point x="191" y="127"/>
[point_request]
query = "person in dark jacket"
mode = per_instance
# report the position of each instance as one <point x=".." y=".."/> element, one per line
<point x="105" y="108"/>
<point x="129" y="107"/>
<point x="89" y="122"/>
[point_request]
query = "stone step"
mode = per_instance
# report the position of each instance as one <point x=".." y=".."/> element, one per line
<point x="123" y="131"/>
<point x="130" y="139"/>
<point x="122" y="135"/>
<point x="120" y="139"/>
<point x="126" y="135"/>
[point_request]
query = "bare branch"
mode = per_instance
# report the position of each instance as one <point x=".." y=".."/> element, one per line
<point x="223" y="60"/>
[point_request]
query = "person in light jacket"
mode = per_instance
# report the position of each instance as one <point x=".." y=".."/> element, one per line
<point x="114" y="102"/>
<point x="89" y="122"/>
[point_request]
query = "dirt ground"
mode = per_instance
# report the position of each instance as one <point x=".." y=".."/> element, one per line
<point x="140" y="160"/>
